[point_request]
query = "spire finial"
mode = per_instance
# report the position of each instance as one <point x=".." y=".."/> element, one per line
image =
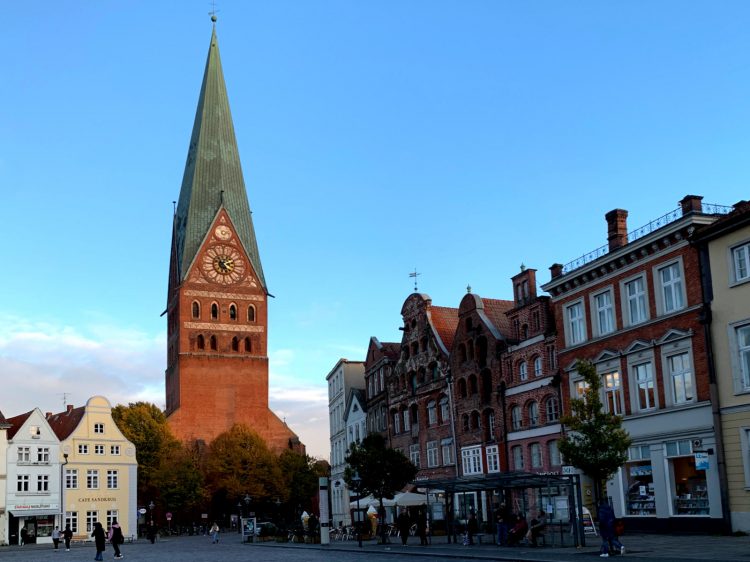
<point x="523" y="267"/>
<point x="414" y="274"/>
<point x="468" y="289"/>
<point x="213" y="11"/>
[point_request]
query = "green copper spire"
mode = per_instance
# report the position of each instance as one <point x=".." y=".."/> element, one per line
<point x="213" y="175"/>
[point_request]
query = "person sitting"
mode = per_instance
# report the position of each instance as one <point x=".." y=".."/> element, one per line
<point x="518" y="531"/>
<point x="536" y="528"/>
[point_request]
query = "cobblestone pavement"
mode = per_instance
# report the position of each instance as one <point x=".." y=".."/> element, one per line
<point x="640" y="548"/>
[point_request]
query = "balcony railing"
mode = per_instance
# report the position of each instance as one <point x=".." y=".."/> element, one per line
<point x="640" y="232"/>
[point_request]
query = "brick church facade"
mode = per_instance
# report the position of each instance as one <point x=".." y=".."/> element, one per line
<point x="217" y="313"/>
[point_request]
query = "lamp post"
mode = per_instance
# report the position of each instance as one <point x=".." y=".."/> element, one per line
<point x="449" y="383"/>
<point x="62" y="490"/>
<point x="357" y="480"/>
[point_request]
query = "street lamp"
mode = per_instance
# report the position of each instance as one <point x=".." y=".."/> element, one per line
<point x="357" y="480"/>
<point x="62" y="490"/>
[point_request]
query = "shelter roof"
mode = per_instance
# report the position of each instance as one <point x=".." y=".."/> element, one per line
<point x="495" y="481"/>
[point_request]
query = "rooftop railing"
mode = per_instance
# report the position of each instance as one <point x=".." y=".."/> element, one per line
<point x="645" y="230"/>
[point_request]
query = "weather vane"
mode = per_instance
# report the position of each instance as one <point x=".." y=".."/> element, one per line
<point x="414" y="274"/>
<point x="213" y="11"/>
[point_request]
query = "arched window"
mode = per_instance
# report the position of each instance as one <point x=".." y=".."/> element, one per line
<point x="517" y="457"/>
<point x="407" y="420"/>
<point x="431" y="412"/>
<point x="413" y="381"/>
<point x="465" y="422"/>
<point x="414" y="413"/>
<point x="196" y="309"/>
<point x="396" y="422"/>
<point x="214" y="311"/>
<point x="232" y="312"/>
<point x="201" y="343"/>
<point x="462" y="388"/>
<point x="515" y="418"/>
<point x="553" y="410"/>
<point x="533" y="414"/>
<point x="554" y="453"/>
<point x="444" y="413"/>
<point x="489" y="425"/>
<point x="535" y="452"/>
<point x="537" y="366"/>
<point x="251" y="313"/>
<point x="235" y="344"/>
<point x="213" y="342"/>
<point x="475" y="420"/>
<point x="473" y="389"/>
<point x="522" y="374"/>
<point x="248" y="345"/>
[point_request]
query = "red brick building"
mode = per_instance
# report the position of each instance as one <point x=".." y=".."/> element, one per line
<point x="379" y="363"/>
<point x="634" y="308"/>
<point x="217" y="352"/>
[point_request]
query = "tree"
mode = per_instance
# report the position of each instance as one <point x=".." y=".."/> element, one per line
<point x="382" y="470"/>
<point x="300" y="475"/>
<point x="239" y="462"/>
<point x="180" y="480"/>
<point x="596" y="442"/>
<point x="145" y="426"/>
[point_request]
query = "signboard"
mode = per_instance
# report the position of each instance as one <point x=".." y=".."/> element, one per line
<point x="248" y="529"/>
<point x="588" y="523"/>
<point x="701" y="461"/>
<point x="169" y="516"/>
<point x="204" y="515"/>
<point x="568" y="470"/>
<point x="142" y="511"/>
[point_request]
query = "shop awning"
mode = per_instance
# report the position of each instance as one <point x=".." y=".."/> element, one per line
<point x="33" y="512"/>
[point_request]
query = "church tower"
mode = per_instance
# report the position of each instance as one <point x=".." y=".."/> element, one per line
<point x="217" y="307"/>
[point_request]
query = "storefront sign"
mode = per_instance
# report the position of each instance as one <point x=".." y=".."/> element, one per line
<point x="701" y="461"/>
<point x="568" y="470"/>
<point x="97" y="499"/>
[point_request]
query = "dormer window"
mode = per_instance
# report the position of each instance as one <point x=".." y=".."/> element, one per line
<point x="35" y="432"/>
<point x="98" y="428"/>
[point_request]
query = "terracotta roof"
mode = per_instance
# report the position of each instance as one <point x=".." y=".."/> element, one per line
<point x="16" y="422"/>
<point x="445" y="322"/>
<point x="65" y="422"/>
<point x="391" y="350"/>
<point x="495" y="310"/>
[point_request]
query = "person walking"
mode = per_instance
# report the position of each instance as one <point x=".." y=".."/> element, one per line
<point x="67" y="536"/>
<point x="116" y="538"/>
<point x="24" y="536"/>
<point x="422" y="526"/>
<point x="504" y="520"/>
<point x="99" y="540"/>
<point x="56" y="537"/>
<point x="214" y="533"/>
<point x="403" y="522"/>
<point x="472" y="527"/>
<point x="607" y="529"/>
<point x="151" y="531"/>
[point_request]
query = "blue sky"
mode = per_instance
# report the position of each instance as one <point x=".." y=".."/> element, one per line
<point x="460" y="138"/>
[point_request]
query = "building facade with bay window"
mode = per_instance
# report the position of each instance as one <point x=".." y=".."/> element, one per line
<point x="635" y="309"/>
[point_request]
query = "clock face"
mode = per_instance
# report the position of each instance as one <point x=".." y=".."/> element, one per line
<point x="223" y="232"/>
<point x="223" y="264"/>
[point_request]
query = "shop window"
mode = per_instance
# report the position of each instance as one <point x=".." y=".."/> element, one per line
<point x="639" y="482"/>
<point x="688" y="479"/>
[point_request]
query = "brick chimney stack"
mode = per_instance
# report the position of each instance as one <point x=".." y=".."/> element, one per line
<point x="617" y="228"/>
<point x="556" y="270"/>
<point x="70" y="408"/>
<point x="691" y="203"/>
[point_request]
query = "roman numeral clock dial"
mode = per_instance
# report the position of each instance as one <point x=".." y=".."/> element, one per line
<point x="223" y="264"/>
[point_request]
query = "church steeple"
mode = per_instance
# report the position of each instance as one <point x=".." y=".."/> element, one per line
<point x="213" y="176"/>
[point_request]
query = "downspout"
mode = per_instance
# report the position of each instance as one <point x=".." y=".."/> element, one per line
<point x="706" y="319"/>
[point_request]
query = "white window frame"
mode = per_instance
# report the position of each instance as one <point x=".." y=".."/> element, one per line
<point x="535" y="454"/>
<point x="612" y="385"/>
<point x="114" y="450"/>
<point x="24" y="454"/>
<point x="737" y="253"/>
<point x="407" y="420"/>
<point x="446" y="452"/>
<point x="471" y="460"/>
<point x="91" y="518"/>
<point x="414" y="455"/>
<point x="71" y="478"/>
<point x="431" y="412"/>
<point x="83" y="449"/>
<point x="554" y="453"/>
<point x="575" y="327"/>
<point x="42" y="482"/>
<point x="517" y="454"/>
<point x="112" y="515"/>
<point x="675" y="286"/>
<point x="633" y="360"/>
<point x="432" y="454"/>
<point x="608" y="310"/>
<point x="98" y="449"/>
<point x="92" y="479"/>
<point x="534" y="415"/>
<point x="99" y="428"/>
<point x="516" y="418"/>
<point x="397" y="422"/>
<point x="113" y="479"/>
<point x="444" y="410"/>
<point x="493" y="458"/>
<point x="626" y="298"/>
<point x="22" y="483"/>
<point x="738" y="352"/>
<point x="538" y="368"/>
<point x="523" y="371"/>
<point x="42" y="454"/>
<point x="668" y="352"/>
<point x="71" y="518"/>
<point x="552" y="409"/>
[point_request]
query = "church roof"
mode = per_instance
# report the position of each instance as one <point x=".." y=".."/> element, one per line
<point x="213" y="174"/>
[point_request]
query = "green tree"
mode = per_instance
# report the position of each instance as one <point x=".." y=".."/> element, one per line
<point x="238" y="462"/>
<point x="300" y="475"/>
<point x="596" y="443"/>
<point x="382" y="470"/>
<point x="180" y="480"/>
<point x="145" y="425"/>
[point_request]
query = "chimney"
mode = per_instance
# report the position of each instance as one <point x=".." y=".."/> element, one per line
<point x="47" y="415"/>
<point x="617" y="228"/>
<point x="70" y="408"/>
<point x="691" y="204"/>
<point x="556" y="270"/>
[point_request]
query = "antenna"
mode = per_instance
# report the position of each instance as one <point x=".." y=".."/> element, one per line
<point x="174" y="208"/>
<point x="64" y="398"/>
<point x="414" y="274"/>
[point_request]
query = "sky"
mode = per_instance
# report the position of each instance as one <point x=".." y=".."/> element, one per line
<point x="460" y="138"/>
